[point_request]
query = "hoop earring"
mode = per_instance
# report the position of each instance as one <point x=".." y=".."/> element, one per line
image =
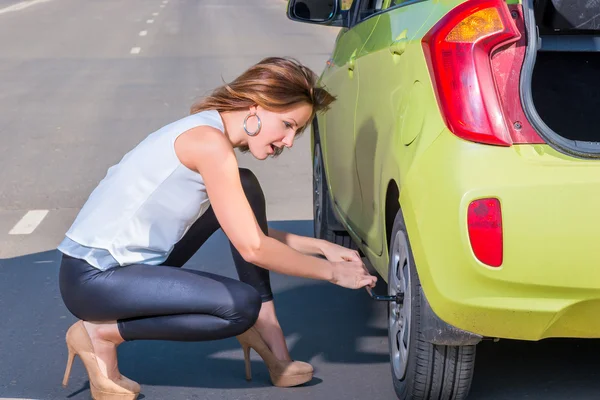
<point x="257" y="129"/>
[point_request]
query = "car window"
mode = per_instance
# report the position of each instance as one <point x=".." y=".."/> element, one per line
<point x="394" y="3"/>
<point x="347" y="4"/>
<point x="397" y="2"/>
<point x="369" y="7"/>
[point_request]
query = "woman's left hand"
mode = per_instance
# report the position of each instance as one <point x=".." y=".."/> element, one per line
<point x="335" y="253"/>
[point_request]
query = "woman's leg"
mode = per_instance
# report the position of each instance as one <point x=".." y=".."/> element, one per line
<point x="159" y="302"/>
<point x="267" y="323"/>
<point x="153" y="302"/>
<point x="207" y="224"/>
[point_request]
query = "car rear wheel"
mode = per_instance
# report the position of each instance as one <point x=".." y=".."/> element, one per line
<point x="420" y="370"/>
<point x="322" y="208"/>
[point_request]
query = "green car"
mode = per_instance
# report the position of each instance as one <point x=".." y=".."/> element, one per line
<point x="461" y="158"/>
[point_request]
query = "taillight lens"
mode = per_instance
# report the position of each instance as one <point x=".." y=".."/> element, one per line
<point x="458" y="51"/>
<point x="484" y="221"/>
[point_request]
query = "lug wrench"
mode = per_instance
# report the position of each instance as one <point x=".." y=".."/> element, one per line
<point x="398" y="298"/>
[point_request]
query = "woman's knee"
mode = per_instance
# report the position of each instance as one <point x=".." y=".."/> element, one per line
<point x="252" y="188"/>
<point x="246" y="306"/>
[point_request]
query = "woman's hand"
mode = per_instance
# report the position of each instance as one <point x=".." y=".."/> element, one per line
<point x="351" y="274"/>
<point x="334" y="252"/>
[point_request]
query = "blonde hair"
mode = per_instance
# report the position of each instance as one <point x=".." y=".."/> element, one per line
<point x="275" y="83"/>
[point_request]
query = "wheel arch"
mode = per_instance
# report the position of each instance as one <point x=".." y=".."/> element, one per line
<point x="434" y="329"/>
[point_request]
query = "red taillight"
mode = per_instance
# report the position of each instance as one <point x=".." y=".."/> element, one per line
<point x="458" y="51"/>
<point x="484" y="221"/>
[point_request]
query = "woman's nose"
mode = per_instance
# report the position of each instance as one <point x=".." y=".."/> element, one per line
<point x="288" y="141"/>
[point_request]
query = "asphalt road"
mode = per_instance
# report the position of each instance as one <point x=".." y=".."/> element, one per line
<point x="74" y="99"/>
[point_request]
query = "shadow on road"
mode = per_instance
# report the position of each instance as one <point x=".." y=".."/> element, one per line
<point x="549" y="369"/>
<point x="321" y="321"/>
<point x="325" y="324"/>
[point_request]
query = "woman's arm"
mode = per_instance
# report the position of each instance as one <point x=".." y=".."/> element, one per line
<point x="208" y="151"/>
<point x="313" y="246"/>
<point x="303" y="244"/>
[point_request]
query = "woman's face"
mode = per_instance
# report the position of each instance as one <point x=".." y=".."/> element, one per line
<point x="278" y="129"/>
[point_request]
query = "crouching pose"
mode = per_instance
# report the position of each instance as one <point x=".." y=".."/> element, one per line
<point x="121" y="273"/>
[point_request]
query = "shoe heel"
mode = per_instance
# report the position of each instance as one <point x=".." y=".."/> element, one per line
<point x="247" y="362"/>
<point x="70" y="359"/>
<point x="283" y="373"/>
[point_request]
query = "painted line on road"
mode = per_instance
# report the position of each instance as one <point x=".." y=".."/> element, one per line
<point x="155" y="14"/>
<point x="165" y="1"/>
<point x="22" y="5"/>
<point x="143" y="33"/>
<point x="29" y="222"/>
<point x="136" y="50"/>
<point x="162" y="6"/>
<point x="150" y="21"/>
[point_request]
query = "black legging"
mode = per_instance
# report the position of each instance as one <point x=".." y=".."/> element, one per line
<point x="168" y="302"/>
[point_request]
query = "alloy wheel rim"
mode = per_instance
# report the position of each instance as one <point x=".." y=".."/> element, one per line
<point x="399" y="314"/>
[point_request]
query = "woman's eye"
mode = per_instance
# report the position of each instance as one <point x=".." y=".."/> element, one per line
<point x="287" y="124"/>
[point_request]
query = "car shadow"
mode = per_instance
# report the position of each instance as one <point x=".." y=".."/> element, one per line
<point x="322" y="322"/>
<point x="319" y="319"/>
<point x="548" y="369"/>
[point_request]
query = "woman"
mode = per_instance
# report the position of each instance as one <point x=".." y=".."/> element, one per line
<point x="121" y="270"/>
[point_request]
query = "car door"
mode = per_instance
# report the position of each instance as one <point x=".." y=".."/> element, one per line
<point x="337" y="126"/>
<point x="384" y="99"/>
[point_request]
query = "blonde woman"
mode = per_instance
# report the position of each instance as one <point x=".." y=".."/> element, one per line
<point x="121" y="272"/>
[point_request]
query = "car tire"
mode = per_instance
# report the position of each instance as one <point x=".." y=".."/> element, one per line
<point x="323" y="215"/>
<point x="420" y="370"/>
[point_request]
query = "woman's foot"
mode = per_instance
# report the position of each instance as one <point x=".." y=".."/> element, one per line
<point x="283" y="373"/>
<point x="105" y="338"/>
<point x="96" y="344"/>
<point x="269" y="329"/>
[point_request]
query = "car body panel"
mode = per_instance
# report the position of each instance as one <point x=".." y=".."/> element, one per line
<point x="549" y="282"/>
<point x="394" y="96"/>
<point x="337" y="128"/>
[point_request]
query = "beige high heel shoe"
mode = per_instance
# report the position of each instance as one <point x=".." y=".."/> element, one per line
<point x="102" y="388"/>
<point x="282" y="373"/>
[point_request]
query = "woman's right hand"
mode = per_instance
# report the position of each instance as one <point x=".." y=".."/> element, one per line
<point x="352" y="275"/>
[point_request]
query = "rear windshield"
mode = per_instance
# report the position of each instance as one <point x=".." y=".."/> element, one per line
<point x="568" y="16"/>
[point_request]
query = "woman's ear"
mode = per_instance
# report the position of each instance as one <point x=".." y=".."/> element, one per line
<point x="253" y="109"/>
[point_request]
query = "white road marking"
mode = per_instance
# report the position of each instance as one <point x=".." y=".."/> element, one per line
<point x="162" y="6"/>
<point x="20" y="6"/>
<point x="155" y="14"/>
<point x="150" y="21"/>
<point x="136" y="50"/>
<point x="165" y="1"/>
<point x="29" y="222"/>
<point x="143" y="33"/>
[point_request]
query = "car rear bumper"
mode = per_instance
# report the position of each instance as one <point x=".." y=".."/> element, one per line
<point x="549" y="282"/>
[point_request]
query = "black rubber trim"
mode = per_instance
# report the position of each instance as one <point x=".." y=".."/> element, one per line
<point x="332" y="220"/>
<point x="355" y="18"/>
<point x="575" y="148"/>
<point x="436" y="331"/>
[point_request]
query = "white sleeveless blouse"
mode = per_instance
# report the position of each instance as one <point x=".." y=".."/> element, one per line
<point x="145" y="203"/>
